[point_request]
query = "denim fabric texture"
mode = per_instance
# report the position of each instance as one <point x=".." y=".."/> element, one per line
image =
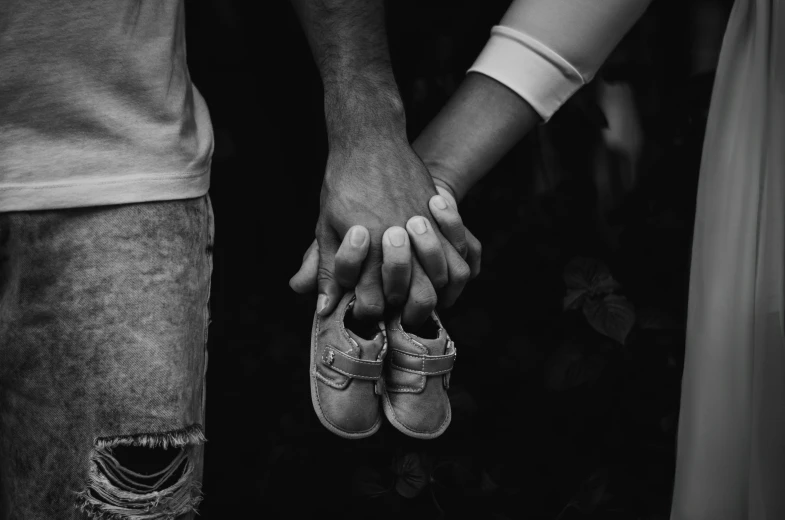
<point x="104" y="314"/>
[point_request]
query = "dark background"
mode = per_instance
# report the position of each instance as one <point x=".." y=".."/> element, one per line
<point x="552" y="417"/>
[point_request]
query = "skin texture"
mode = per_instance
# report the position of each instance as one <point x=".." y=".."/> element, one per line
<point x="477" y="127"/>
<point x="378" y="200"/>
<point x="396" y="266"/>
<point x="373" y="177"/>
<point x="480" y="123"/>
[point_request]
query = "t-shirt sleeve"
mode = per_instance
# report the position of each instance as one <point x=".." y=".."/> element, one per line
<point x="545" y="50"/>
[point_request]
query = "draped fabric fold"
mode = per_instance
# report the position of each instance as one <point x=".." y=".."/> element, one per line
<point x="731" y="441"/>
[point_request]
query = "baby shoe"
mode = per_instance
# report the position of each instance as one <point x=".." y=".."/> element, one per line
<point x="416" y="378"/>
<point x="346" y="370"/>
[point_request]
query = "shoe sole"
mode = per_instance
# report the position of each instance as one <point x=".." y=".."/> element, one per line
<point x="315" y="397"/>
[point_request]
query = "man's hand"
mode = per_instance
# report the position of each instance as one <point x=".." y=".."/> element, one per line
<point x="396" y="254"/>
<point x="380" y="183"/>
<point x="373" y="176"/>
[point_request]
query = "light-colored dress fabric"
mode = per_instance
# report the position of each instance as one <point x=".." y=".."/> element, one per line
<point x="731" y="440"/>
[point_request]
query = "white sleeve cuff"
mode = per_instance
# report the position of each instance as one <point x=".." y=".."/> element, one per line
<point x="529" y="68"/>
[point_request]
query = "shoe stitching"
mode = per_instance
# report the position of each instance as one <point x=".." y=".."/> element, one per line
<point x="411" y="340"/>
<point x="424" y="378"/>
<point x="354" y="359"/>
<point x="421" y="373"/>
<point x="447" y="417"/>
<point x="316" y="387"/>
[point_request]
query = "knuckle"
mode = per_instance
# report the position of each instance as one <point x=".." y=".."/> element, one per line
<point x="462" y="273"/>
<point x="446" y="217"/>
<point x="323" y="273"/>
<point x="348" y="259"/>
<point x="455" y="221"/>
<point x="397" y="262"/>
<point x="424" y="298"/>
<point x="373" y="309"/>
<point x="477" y="247"/>
<point x="462" y="248"/>
<point x="440" y="281"/>
<point x="432" y="249"/>
<point x="396" y="269"/>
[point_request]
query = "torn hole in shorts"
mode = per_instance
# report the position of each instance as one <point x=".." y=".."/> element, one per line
<point x="143" y="477"/>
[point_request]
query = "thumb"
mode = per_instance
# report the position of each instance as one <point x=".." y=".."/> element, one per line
<point x="304" y="280"/>
<point x="447" y="194"/>
<point x="330" y="292"/>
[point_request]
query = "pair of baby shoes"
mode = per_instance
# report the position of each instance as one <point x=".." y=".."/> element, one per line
<point x="359" y="370"/>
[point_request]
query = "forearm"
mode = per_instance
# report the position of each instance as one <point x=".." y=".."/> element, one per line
<point x="349" y="44"/>
<point x="542" y="52"/>
<point x="480" y="123"/>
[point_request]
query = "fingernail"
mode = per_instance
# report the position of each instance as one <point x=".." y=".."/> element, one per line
<point x="357" y="237"/>
<point x="418" y="225"/>
<point x="397" y="237"/>
<point x="321" y="303"/>
<point x="439" y="202"/>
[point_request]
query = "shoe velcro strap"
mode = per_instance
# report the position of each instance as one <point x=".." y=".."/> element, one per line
<point x="351" y="366"/>
<point x="421" y="363"/>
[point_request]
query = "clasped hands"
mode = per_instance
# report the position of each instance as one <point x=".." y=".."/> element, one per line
<point x="374" y="235"/>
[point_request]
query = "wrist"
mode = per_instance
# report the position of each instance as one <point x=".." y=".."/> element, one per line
<point x="444" y="169"/>
<point x="446" y="180"/>
<point x="361" y="109"/>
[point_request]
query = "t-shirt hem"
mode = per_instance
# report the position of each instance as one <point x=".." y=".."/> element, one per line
<point x="104" y="192"/>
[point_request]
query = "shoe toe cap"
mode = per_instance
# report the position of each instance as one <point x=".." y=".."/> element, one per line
<point x="424" y="416"/>
<point x="355" y="409"/>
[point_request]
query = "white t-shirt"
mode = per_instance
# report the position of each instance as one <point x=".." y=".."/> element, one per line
<point x="97" y="105"/>
<point x="545" y="50"/>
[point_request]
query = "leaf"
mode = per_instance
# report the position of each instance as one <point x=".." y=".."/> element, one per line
<point x="590" y="275"/>
<point x="367" y="482"/>
<point x="574" y="299"/>
<point x="411" y="475"/>
<point x="568" y="367"/>
<point x="591" y="492"/>
<point x="487" y="485"/>
<point x="612" y="316"/>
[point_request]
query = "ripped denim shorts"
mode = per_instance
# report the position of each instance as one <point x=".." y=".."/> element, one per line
<point x="104" y="313"/>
